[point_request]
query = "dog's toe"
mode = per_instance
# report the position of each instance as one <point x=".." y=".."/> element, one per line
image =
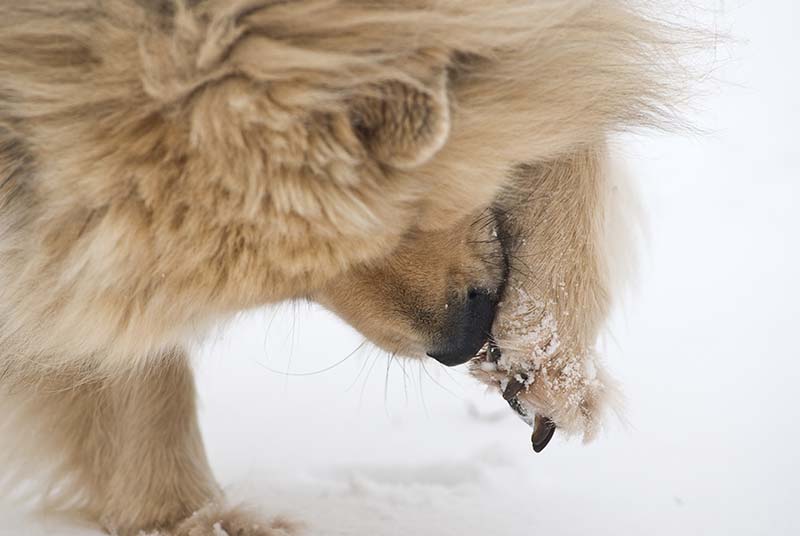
<point x="217" y="520"/>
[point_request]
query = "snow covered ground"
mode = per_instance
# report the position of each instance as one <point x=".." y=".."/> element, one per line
<point x="707" y="352"/>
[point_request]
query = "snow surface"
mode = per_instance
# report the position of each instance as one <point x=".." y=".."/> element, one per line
<point x="707" y="352"/>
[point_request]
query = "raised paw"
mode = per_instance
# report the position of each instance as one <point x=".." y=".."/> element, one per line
<point x="216" y="520"/>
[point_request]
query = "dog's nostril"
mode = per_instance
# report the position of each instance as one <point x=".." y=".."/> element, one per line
<point x="466" y="329"/>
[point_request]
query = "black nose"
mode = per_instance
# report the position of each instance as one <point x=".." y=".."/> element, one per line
<point x="466" y="329"/>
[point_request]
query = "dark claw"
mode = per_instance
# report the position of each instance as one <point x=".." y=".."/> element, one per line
<point x="543" y="431"/>
<point x="513" y="388"/>
<point x="517" y="407"/>
<point x="543" y="428"/>
<point x="510" y="395"/>
<point x="493" y="355"/>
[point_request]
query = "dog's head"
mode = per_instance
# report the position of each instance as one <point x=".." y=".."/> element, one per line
<point x="430" y="170"/>
<point x="507" y="247"/>
<point x="452" y="155"/>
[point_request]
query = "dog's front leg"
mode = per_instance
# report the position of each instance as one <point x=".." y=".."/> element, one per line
<point x="126" y="449"/>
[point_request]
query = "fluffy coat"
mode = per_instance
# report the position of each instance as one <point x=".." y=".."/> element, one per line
<point x="165" y="164"/>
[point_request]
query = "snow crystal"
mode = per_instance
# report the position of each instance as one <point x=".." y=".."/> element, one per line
<point x="529" y="334"/>
<point x="487" y="366"/>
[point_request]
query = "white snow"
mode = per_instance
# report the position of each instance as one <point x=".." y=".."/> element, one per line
<point x="706" y="352"/>
<point x="530" y="331"/>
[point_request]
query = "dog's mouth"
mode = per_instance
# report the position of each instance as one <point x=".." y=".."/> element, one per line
<point x="489" y="358"/>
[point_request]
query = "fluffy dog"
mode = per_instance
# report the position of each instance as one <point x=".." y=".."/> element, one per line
<point x="431" y="170"/>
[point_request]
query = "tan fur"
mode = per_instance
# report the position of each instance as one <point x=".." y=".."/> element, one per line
<point x="165" y="164"/>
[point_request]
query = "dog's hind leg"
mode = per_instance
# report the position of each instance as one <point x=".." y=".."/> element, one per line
<point x="125" y="450"/>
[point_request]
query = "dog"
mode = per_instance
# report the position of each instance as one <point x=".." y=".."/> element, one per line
<point x="433" y="171"/>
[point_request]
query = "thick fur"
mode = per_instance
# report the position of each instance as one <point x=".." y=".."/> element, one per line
<point x="165" y="164"/>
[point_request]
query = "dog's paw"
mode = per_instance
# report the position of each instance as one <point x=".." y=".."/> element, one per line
<point x="218" y="520"/>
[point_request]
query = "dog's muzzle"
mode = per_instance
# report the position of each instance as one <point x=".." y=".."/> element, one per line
<point x="467" y="328"/>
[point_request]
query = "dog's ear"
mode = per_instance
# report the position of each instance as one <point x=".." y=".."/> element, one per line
<point x="403" y="124"/>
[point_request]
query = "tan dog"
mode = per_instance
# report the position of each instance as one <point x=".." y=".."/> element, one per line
<point x="431" y="170"/>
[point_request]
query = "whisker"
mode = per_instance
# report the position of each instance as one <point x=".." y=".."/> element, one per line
<point x="361" y="370"/>
<point x="368" y="374"/>
<point x="422" y="389"/>
<point x="386" y="384"/>
<point x="313" y="373"/>
<point x="405" y="378"/>
<point x="434" y="380"/>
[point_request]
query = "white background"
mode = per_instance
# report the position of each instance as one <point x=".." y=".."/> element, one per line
<point x="707" y="352"/>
